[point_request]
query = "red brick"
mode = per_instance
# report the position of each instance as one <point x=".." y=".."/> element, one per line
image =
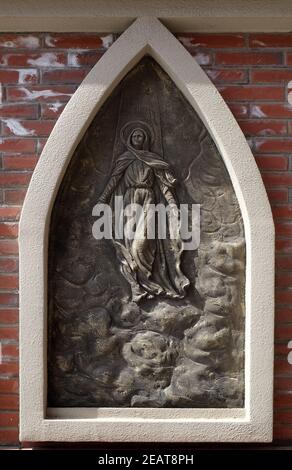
<point x="285" y="230"/>
<point x="9" y="299"/>
<point x="29" y="76"/>
<point x="8" y="230"/>
<point x="211" y="40"/>
<point x="283" y="315"/>
<point x="284" y="246"/>
<point x="22" y="41"/>
<point x="278" y="195"/>
<point x="282" y="432"/>
<point x="239" y="110"/>
<point x="12" y="178"/>
<point x="8" y="386"/>
<point x="14" y="196"/>
<point x="8" y="247"/>
<point x="270" y="40"/>
<point x="272" y="110"/>
<point x="17" y="145"/>
<point x="8" y="316"/>
<point x="265" y="127"/>
<point x="10" y="350"/>
<point x="64" y="76"/>
<point x="8" y="265"/>
<point x="284" y="262"/>
<point x="27" y="162"/>
<point x="284" y="297"/>
<point x="284" y="417"/>
<point x="271" y="76"/>
<point x="284" y="333"/>
<point x="273" y="145"/>
<point x="289" y="127"/>
<point x="227" y="75"/>
<point x="9" y="213"/>
<point x="9" y="436"/>
<point x="281" y="349"/>
<point x="248" y="58"/>
<point x="8" y="281"/>
<point x="9" y="402"/>
<point x="270" y="162"/>
<point x="89" y="59"/>
<point x="251" y="93"/>
<point x="78" y="41"/>
<point x="41" y="144"/>
<point x="282" y="366"/>
<point x="40" y="93"/>
<point x="283" y="383"/>
<point x="9" y="419"/>
<point x="289" y="58"/>
<point x="33" y="128"/>
<point x="51" y="110"/>
<point x="281" y="212"/>
<point x="40" y="59"/>
<point x="277" y="179"/>
<point x="10" y="369"/>
<point x="10" y="332"/>
<point x="28" y="111"/>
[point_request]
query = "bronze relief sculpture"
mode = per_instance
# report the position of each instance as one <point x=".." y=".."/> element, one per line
<point x="138" y="321"/>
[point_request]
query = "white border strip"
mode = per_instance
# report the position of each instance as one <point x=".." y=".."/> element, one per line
<point x="116" y="15"/>
<point x="147" y="35"/>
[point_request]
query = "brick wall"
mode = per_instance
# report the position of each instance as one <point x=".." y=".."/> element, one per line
<point x="39" y="73"/>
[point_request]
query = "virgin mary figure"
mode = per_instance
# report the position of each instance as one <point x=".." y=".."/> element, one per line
<point x="151" y="265"/>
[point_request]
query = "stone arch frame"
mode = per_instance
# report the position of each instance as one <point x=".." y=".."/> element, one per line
<point x="253" y="423"/>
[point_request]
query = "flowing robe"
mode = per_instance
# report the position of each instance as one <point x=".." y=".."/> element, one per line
<point x="151" y="265"/>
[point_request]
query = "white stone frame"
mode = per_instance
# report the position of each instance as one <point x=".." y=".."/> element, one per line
<point x="252" y="423"/>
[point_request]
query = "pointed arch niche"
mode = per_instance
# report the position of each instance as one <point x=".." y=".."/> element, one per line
<point x="253" y="422"/>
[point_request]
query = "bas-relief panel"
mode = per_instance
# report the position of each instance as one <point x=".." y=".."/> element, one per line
<point x="144" y="322"/>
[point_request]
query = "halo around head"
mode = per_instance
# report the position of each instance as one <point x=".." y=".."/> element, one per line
<point x="130" y="126"/>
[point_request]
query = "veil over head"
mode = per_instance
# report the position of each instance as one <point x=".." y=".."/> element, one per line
<point x="145" y="155"/>
<point x="128" y="129"/>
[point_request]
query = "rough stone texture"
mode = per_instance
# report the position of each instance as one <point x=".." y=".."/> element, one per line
<point x="104" y="348"/>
